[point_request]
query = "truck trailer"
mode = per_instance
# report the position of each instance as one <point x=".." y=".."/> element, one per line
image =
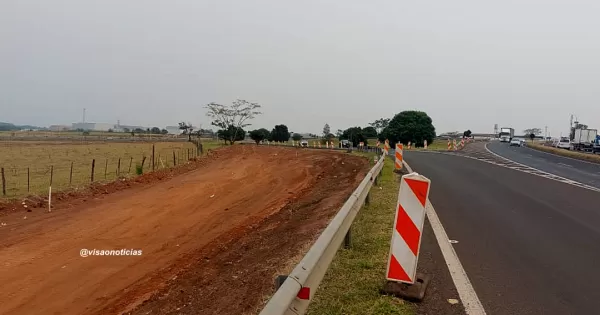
<point x="584" y="139"/>
<point x="506" y="134"/>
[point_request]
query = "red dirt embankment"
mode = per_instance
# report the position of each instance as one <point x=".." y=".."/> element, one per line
<point x="211" y="239"/>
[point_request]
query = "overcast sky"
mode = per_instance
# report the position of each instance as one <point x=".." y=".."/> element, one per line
<point x="467" y="63"/>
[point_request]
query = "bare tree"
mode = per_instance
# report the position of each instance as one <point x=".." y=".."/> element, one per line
<point x="535" y="131"/>
<point x="187" y="129"/>
<point x="232" y="117"/>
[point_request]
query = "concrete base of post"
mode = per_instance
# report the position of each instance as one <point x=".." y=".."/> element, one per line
<point x="410" y="292"/>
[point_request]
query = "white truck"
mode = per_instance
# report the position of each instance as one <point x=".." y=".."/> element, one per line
<point x="583" y="139"/>
<point x="506" y="134"/>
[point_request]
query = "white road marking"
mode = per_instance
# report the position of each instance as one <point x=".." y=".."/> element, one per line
<point x="567" y="165"/>
<point x="542" y="173"/>
<point x="467" y="294"/>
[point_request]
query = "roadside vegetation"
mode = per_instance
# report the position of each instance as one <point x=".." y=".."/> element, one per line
<point x="562" y="152"/>
<point x="354" y="278"/>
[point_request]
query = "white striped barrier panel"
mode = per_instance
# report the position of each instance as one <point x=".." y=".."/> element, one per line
<point x="296" y="292"/>
<point x="408" y="228"/>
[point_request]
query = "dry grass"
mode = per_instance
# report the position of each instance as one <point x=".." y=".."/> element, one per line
<point x="562" y="152"/>
<point x="37" y="160"/>
<point x="353" y="281"/>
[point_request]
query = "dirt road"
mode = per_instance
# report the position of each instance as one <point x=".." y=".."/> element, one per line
<point x="208" y="210"/>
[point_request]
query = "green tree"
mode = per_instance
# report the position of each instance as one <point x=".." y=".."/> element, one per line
<point x="297" y="137"/>
<point x="369" y="132"/>
<point x="155" y="130"/>
<point x="164" y="131"/>
<point x="326" y="131"/>
<point x="259" y="135"/>
<point x="232" y="134"/>
<point x="413" y="126"/>
<point x="380" y="124"/>
<point x="280" y="134"/>
<point x="354" y="135"/>
<point x="233" y="117"/>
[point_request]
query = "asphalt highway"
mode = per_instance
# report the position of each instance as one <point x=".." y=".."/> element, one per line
<point x="530" y="245"/>
<point x="583" y="172"/>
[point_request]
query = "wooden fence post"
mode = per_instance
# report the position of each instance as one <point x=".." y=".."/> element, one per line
<point x="71" y="175"/>
<point x="119" y="168"/>
<point x="105" y="167"/>
<point x="3" y="183"/>
<point x="174" y="162"/>
<point x="130" y="162"/>
<point x="51" y="174"/>
<point x="28" y="179"/>
<point x="153" y="157"/>
<point x="93" y="166"/>
<point x="143" y="161"/>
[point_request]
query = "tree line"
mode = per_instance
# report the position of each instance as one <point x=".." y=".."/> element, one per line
<point x="407" y="126"/>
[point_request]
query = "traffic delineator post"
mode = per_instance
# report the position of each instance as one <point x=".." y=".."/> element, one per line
<point x="386" y="147"/>
<point x="425" y="144"/>
<point x="449" y="145"/>
<point x="409" y="145"/>
<point x="399" y="156"/>
<point x="401" y="272"/>
<point x="454" y="144"/>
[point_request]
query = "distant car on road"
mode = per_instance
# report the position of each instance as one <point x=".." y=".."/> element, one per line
<point x="345" y="144"/>
<point x="564" y="143"/>
<point x="304" y="143"/>
<point x="517" y="142"/>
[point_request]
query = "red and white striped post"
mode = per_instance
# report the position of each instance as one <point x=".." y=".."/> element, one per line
<point x="454" y="144"/>
<point x="406" y="235"/>
<point x="425" y="144"/>
<point x="409" y="145"/>
<point x="399" y="156"/>
<point x="449" y="145"/>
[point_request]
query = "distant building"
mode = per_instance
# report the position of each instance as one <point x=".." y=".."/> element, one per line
<point x="92" y="126"/>
<point x="59" y="128"/>
<point x="174" y="130"/>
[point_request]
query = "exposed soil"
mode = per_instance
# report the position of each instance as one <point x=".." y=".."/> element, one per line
<point x="212" y="239"/>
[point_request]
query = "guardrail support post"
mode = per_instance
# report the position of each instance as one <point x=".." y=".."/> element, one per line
<point x="348" y="239"/>
<point x="279" y="281"/>
<point x="368" y="199"/>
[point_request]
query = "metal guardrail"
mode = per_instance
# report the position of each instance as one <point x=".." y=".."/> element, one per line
<point x="295" y="294"/>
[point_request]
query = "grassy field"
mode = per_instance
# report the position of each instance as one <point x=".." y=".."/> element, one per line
<point x="35" y="162"/>
<point x="353" y="281"/>
<point x="572" y="154"/>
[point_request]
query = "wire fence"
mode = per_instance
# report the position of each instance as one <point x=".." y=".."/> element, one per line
<point x="20" y="181"/>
